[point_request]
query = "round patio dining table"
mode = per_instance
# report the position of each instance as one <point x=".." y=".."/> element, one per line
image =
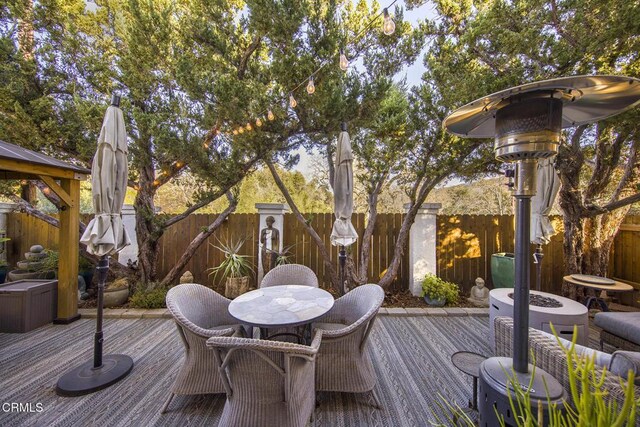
<point x="281" y="307"/>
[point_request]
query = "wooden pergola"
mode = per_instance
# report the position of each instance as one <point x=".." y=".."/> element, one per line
<point x="64" y="180"/>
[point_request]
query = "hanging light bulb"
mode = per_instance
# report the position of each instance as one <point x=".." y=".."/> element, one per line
<point x="240" y="129"/>
<point x="235" y="131"/>
<point x="270" y="116"/>
<point x="344" y="62"/>
<point x="249" y="127"/>
<point x="311" y="88"/>
<point x="179" y="164"/>
<point x="258" y="122"/>
<point x="388" y="26"/>
<point x="292" y="101"/>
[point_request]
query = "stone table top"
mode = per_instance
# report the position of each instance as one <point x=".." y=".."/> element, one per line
<point x="275" y="306"/>
<point x="616" y="287"/>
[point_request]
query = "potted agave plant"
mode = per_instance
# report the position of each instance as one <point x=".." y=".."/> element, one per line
<point x="235" y="268"/>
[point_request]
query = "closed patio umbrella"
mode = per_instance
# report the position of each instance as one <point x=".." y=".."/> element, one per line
<point x="547" y="187"/>
<point x="105" y="235"/>
<point x="343" y="234"/>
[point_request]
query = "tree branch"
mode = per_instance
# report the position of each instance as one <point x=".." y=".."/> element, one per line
<point x="301" y="219"/>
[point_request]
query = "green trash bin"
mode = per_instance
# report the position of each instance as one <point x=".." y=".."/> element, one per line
<point x="503" y="270"/>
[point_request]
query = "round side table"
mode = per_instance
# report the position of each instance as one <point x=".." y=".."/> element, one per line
<point x="469" y="363"/>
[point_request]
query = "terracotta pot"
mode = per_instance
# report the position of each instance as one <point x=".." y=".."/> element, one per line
<point x="115" y="297"/>
<point x="236" y="286"/>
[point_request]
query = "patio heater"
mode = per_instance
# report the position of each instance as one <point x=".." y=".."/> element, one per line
<point x="526" y="123"/>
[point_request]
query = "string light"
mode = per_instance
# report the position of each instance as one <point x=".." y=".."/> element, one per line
<point x="179" y="164"/>
<point x="311" y="88"/>
<point x="344" y="62"/>
<point x="46" y="191"/>
<point x="388" y="26"/>
<point x="156" y="182"/>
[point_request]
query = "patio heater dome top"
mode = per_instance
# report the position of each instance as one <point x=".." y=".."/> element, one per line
<point x="585" y="99"/>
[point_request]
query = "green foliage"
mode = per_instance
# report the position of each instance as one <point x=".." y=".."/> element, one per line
<point x="586" y="408"/>
<point x="153" y="296"/>
<point x="50" y="262"/>
<point x="234" y="264"/>
<point x="436" y="288"/>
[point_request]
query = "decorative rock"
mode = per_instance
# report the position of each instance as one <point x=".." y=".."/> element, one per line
<point x="479" y="294"/>
<point x="187" y="277"/>
<point x="36" y="249"/>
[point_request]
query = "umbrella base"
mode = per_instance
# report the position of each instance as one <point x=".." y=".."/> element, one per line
<point x="86" y="379"/>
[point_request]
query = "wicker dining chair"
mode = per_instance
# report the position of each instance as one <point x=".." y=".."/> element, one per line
<point x="199" y="313"/>
<point x="344" y="363"/>
<point x="268" y="383"/>
<point x="290" y="274"/>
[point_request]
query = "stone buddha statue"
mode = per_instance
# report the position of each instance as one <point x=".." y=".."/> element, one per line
<point x="270" y="243"/>
<point x="479" y="294"/>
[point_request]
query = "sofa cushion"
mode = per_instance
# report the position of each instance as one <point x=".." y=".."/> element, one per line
<point x="624" y="325"/>
<point x="602" y="359"/>
<point x="624" y="361"/>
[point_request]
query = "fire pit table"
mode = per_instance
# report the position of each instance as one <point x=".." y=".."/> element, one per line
<point x="544" y="309"/>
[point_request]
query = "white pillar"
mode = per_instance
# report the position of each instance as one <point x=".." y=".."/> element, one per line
<point x="129" y="220"/>
<point x="5" y="210"/>
<point x="277" y="211"/>
<point x="422" y="245"/>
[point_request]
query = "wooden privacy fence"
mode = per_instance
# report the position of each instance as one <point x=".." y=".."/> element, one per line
<point x="25" y="231"/>
<point x="464" y="245"/>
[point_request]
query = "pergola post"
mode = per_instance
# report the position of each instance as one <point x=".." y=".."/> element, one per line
<point x="68" y="265"/>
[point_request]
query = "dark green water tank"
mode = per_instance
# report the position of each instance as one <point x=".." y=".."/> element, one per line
<point x="503" y="270"/>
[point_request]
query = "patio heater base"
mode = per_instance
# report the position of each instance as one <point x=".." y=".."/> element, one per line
<point x="86" y="379"/>
<point x="496" y="385"/>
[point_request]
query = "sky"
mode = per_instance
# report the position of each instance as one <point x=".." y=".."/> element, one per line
<point x="412" y="73"/>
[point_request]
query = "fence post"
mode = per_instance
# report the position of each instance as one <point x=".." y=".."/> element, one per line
<point x="277" y="211"/>
<point x="422" y="245"/>
<point x="129" y="253"/>
<point x="5" y="210"/>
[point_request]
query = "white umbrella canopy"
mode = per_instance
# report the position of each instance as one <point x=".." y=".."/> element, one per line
<point x="343" y="232"/>
<point x="547" y="187"/>
<point x="105" y="234"/>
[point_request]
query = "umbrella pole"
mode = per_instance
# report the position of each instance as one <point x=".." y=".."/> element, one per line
<point x="537" y="256"/>
<point x="102" y="371"/>
<point x="103" y="268"/>
<point x="343" y="260"/>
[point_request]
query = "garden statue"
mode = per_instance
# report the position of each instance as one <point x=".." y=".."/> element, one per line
<point x="270" y="243"/>
<point x="479" y="294"/>
<point x="187" y="277"/>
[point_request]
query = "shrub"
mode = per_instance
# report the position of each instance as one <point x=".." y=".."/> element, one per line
<point x="436" y="288"/>
<point x="149" y="297"/>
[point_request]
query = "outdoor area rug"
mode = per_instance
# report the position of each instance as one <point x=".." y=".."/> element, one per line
<point x="411" y="356"/>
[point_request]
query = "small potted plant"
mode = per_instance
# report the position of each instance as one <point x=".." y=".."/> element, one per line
<point x="437" y="292"/>
<point x="116" y="293"/>
<point x="235" y="268"/>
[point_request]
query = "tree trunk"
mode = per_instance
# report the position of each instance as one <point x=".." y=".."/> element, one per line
<point x="172" y="276"/>
<point x="359" y="275"/>
<point x="326" y="258"/>
<point x="148" y="231"/>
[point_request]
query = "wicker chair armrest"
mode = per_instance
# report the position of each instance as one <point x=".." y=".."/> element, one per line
<point x="266" y="345"/>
